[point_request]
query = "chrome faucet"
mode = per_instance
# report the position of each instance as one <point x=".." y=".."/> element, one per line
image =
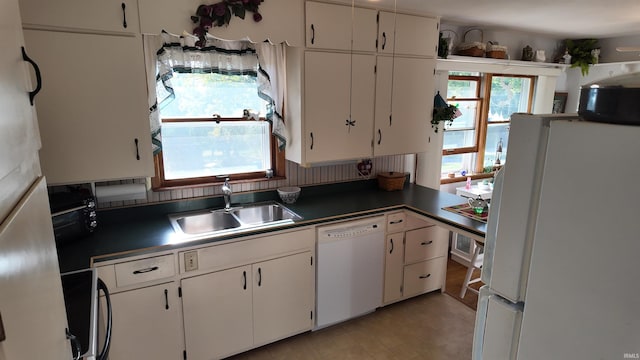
<point x="226" y="191"/>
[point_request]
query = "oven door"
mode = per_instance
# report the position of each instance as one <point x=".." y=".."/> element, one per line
<point x="81" y="290"/>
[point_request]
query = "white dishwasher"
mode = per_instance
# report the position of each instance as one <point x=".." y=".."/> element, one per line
<point x="350" y="270"/>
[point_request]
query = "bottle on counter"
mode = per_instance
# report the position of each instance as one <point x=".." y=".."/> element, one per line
<point x="468" y="186"/>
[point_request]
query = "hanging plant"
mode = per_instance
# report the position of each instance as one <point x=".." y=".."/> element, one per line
<point x="581" y="53"/>
<point x="442" y="112"/>
<point x="219" y="14"/>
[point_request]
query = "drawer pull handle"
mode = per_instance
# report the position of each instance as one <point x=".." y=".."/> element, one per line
<point x="166" y="299"/>
<point x="379" y="136"/>
<point x="259" y="276"/>
<point x="426" y="242"/>
<point x="244" y="279"/>
<point x="142" y="271"/>
<point x="124" y="15"/>
<point x="137" y="150"/>
<point x="384" y="40"/>
<point x="425" y="276"/>
<point x="395" y="222"/>
<point x="36" y="69"/>
<point x="313" y="34"/>
<point x="391" y="250"/>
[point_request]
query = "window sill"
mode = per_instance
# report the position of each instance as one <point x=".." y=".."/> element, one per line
<point x="456" y="179"/>
<point x="189" y="184"/>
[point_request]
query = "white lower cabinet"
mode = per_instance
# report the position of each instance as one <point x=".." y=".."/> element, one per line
<point x="415" y="257"/>
<point x="229" y="311"/>
<point x="146" y="323"/>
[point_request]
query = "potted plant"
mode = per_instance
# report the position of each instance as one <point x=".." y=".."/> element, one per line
<point x="443" y="112"/>
<point x="581" y="53"/>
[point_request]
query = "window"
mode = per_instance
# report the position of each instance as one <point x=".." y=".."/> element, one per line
<point x="206" y="134"/>
<point x="477" y="141"/>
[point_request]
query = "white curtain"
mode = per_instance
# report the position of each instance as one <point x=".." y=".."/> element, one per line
<point x="272" y="82"/>
<point x="166" y="53"/>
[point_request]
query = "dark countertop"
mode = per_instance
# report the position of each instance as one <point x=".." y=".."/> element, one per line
<point x="146" y="229"/>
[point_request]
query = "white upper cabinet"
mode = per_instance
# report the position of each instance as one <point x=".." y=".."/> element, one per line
<point x="92" y="111"/>
<point x="330" y="26"/>
<point x="120" y="16"/>
<point x="404" y="102"/>
<point x="338" y="106"/>
<point x="403" y="34"/>
<point x="282" y="20"/>
<point x="19" y="137"/>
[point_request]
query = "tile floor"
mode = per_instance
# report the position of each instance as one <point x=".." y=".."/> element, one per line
<point x="431" y="327"/>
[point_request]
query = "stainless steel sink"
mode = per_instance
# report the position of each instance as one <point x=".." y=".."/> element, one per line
<point x="236" y="219"/>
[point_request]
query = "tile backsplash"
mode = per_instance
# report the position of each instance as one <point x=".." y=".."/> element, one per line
<point x="296" y="176"/>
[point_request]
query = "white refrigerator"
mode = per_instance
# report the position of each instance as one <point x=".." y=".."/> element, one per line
<point x="562" y="250"/>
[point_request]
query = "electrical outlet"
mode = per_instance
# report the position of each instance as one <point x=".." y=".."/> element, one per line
<point x="191" y="261"/>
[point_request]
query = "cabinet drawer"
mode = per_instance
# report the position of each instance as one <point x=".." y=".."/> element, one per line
<point x="424" y="244"/>
<point x="149" y="269"/>
<point x="396" y="221"/>
<point x="423" y="276"/>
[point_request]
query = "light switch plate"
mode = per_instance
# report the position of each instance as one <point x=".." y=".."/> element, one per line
<point x="191" y="261"/>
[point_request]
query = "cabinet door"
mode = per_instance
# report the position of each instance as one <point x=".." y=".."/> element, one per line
<point x="282" y="297"/>
<point x="402" y="34"/>
<point x="424" y="276"/>
<point x="426" y="243"/>
<point x="328" y="104"/>
<point x="330" y="26"/>
<point x="393" y="267"/>
<point x="218" y="319"/>
<point x="19" y="137"/>
<point x="32" y="306"/>
<point x="404" y="102"/>
<point x="415" y="35"/>
<point x="92" y="107"/>
<point x="92" y="15"/>
<point x="386" y="32"/>
<point x="146" y="324"/>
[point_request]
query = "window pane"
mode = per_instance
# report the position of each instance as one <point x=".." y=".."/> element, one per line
<point x="454" y="164"/>
<point x="205" y="94"/>
<point x="458" y="139"/>
<point x="496" y="133"/>
<point x="508" y="95"/>
<point x="197" y="149"/>
<point x="462" y="89"/>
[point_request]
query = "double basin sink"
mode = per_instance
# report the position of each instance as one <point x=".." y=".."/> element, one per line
<point x="236" y="219"/>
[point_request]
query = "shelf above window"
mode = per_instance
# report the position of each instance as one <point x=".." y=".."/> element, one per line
<point x="500" y="66"/>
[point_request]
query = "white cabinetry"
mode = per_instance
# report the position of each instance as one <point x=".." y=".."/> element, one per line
<point x="330" y="26"/>
<point x="146" y="308"/>
<point x="415" y="257"/>
<point x="403" y="106"/>
<point x="92" y="110"/>
<point x="117" y="16"/>
<point x="146" y="323"/>
<point x="329" y="90"/>
<point x="402" y="34"/>
<point x="338" y="111"/>
<point x="261" y="290"/>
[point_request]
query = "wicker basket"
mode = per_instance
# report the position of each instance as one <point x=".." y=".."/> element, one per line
<point x="472" y="48"/>
<point x="391" y="181"/>
<point x="496" y="51"/>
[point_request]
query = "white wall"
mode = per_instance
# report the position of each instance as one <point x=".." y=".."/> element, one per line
<point x="514" y="40"/>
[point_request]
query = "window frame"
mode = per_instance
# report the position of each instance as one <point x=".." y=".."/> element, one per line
<point x="158" y="182"/>
<point x="482" y="122"/>
<point x="478" y="99"/>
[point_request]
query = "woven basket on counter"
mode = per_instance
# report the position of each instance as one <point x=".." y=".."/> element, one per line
<point x="471" y="48"/>
<point x="391" y="181"/>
